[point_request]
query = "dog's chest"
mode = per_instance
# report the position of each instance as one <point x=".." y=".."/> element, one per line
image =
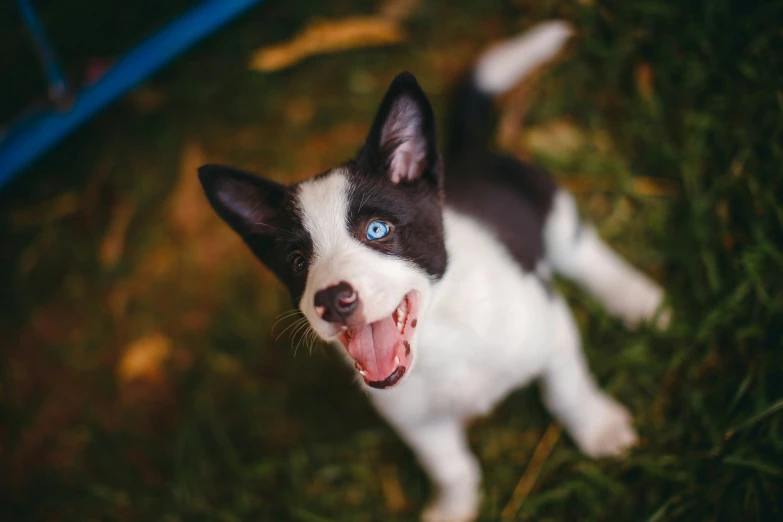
<point x="486" y="331"/>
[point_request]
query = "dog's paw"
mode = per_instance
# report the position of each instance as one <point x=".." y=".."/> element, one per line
<point x="643" y="302"/>
<point x="609" y="432"/>
<point x="438" y="513"/>
<point x="453" y="508"/>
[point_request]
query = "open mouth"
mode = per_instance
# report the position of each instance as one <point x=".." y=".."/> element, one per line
<point x="382" y="349"/>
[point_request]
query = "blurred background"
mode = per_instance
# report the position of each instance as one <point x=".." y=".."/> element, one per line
<point x="142" y="376"/>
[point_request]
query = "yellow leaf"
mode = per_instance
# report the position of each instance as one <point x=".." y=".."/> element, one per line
<point x="326" y="36"/>
<point x="555" y="138"/>
<point x="644" y="76"/>
<point x="645" y="186"/>
<point x="144" y="358"/>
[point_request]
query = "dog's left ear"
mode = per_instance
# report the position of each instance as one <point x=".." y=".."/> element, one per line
<point x="249" y="204"/>
<point x="402" y="141"/>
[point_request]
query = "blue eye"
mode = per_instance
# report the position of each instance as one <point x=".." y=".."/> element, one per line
<point x="377" y="230"/>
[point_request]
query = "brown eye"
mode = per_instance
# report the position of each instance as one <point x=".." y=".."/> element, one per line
<point x="298" y="263"/>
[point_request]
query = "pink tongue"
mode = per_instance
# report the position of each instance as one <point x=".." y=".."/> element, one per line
<point x="373" y="347"/>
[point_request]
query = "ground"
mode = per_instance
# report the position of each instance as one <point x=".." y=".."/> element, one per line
<point x="142" y="379"/>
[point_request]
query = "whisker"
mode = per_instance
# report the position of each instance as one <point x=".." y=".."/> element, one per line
<point x="313" y="340"/>
<point x="285" y="316"/>
<point x="295" y="323"/>
<point x="289" y="312"/>
<point x="293" y="337"/>
<point x="302" y="338"/>
<point x="259" y="223"/>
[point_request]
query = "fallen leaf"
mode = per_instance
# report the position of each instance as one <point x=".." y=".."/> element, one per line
<point x="647" y="186"/>
<point x="643" y="74"/>
<point x="326" y="36"/>
<point x="556" y="138"/>
<point x="143" y="359"/>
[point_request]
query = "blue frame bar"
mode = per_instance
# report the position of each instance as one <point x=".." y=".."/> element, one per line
<point x="28" y="140"/>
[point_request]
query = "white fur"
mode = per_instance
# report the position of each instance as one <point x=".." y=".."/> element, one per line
<point x="623" y="290"/>
<point x="503" y="66"/>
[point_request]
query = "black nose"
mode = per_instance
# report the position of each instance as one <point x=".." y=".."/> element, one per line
<point x="336" y="303"/>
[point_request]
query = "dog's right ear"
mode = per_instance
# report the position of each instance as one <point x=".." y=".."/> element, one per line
<point x="249" y="204"/>
<point x="402" y="141"/>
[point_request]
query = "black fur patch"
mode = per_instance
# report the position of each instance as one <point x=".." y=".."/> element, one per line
<point x="412" y="209"/>
<point x="263" y="213"/>
<point x="509" y="197"/>
<point x="472" y="118"/>
<point x="413" y="206"/>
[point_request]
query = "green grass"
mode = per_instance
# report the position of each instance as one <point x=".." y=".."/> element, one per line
<point x="237" y="427"/>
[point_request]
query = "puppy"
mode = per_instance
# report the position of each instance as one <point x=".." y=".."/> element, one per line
<point x="431" y="274"/>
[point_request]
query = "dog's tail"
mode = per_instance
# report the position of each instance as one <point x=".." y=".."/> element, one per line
<point x="498" y="70"/>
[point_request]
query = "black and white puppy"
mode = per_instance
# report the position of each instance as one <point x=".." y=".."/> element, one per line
<point x="431" y="275"/>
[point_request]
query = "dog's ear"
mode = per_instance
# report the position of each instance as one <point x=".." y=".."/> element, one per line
<point x="249" y="204"/>
<point x="402" y="141"/>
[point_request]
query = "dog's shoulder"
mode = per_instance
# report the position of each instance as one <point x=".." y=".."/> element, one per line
<point x="512" y="199"/>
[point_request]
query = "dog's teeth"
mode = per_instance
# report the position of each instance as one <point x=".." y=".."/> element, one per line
<point x="363" y="373"/>
<point x="396" y="360"/>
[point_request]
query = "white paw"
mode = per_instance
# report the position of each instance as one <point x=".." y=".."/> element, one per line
<point x="608" y="432"/>
<point x="642" y="303"/>
<point x="449" y="511"/>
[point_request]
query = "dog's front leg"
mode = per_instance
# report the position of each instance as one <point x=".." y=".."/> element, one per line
<point x="443" y="452"/>
<point x="600" y="425"/>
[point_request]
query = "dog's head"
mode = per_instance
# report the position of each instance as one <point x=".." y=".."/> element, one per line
<point x="359" y="246"/>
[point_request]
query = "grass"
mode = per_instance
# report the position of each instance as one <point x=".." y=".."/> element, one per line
<point x="105" y="244"/>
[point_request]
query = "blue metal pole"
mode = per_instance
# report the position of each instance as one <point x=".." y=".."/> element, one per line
<point x="57" y="83"/>
<point x="20" y="148"/>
